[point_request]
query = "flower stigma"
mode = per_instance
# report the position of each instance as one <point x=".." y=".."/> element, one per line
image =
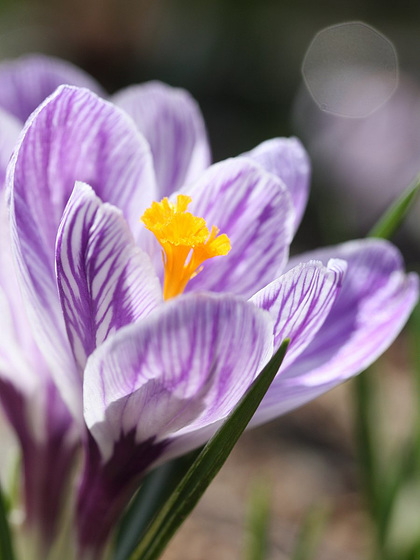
<point x="185" y="239"/>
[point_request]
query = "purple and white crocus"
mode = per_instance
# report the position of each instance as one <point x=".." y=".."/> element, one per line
<point x="142" y="379"/>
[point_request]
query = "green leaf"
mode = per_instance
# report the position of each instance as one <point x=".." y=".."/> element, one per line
<point x="406" y="464"/>
<point x="380" y="489"/>
<point x="6" y="550"/>
<point x="366" y="440"/>
<point x="394" y="216"/>
<point x="414" y="331"/>
<point x="193" y="485"/>
<point x="258" y="520"/>
<point x="154" y="491"/>
<point x="310" y="533"/>
<point x="414" y="553"/>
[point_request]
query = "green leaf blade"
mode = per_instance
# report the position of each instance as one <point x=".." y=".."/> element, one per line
<point x="6" y="548"/>
<point x="155" y="490"/>
<point x="394" y="216"/>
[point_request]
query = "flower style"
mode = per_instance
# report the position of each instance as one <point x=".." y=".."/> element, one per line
<point x="147" y="373"/>
<point x="186" y="242"/>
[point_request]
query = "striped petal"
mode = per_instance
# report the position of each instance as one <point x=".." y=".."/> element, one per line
<point x="171" y="121"/>
<point x="193" y="357"/>
<point x="32" y="404"/>
<point x="105" y="282"/>
<point x="23" y="370"/>
<point x="73" y="136"/>
<point x="27" y="81"/>
<point x="299" y="302"/>
<point x="254" y="209"/>
<point x="15" y="329"/>
<point x="375" y="301"/>
<point x="288" y="160"/>
<point x="183" y="367"/>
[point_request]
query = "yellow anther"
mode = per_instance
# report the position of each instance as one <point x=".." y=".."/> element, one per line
<point x="185" y="240"/>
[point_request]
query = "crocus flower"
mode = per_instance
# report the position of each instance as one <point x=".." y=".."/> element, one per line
<point x="150" y="354"/>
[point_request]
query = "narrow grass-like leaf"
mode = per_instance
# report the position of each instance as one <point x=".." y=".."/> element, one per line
<point x="380" y="491"/>
<point x="6" y="549"/>
<point x="193" y="485"/>
<point x="365" y="415"/>
<point x="311" y="533"/>
<point x="394" y="216"/>
<point x="414" y="325"/>
<point x="155" y="490"/>
<point x="257" y="523"/>
<point x="406" y="465"/>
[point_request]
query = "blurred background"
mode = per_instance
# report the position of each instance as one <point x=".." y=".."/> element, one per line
<point x="242" y="61"/>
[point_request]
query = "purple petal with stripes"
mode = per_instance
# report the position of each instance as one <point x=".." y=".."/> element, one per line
<point x="19" y="358"/>
<point x="299" y="302"/>
<point x="27" y="81"/>
<point x="171" y="122"/>
<point x="34" y="408"/>
<point x="287" y="159"/>
<point x="375" y="301"/>
<point x="254" y="209"/>
<point x="21" y="363"/>
<point x="73" y="136"/>
<point x="16" y="339"/>
<point x="105" y="282"/>
<point x="23" y="370"/>
<point x="201" y="350"/>
<point x="183" y="367"/>
<point x="47" y="436"/>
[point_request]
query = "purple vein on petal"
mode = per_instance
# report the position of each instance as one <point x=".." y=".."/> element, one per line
<point x="171" y="122"/>
<point x="73" y="135"/>
<point x="28" y="80"/>
<point x="254" y="209"/>
<point x="287" y="159"/>
<point x="300" y="301"/>
<point x="105" y="282"/>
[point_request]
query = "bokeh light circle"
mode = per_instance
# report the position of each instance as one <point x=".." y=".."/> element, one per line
<point x="350" y="69"/>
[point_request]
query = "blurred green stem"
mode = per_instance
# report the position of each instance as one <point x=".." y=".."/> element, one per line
<point x="257" y="522"/>
<point x="364" y="391"/>
<point x="6" y="547"/>
<point x="415" y="358"/>
<point x="310" y="533"/>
